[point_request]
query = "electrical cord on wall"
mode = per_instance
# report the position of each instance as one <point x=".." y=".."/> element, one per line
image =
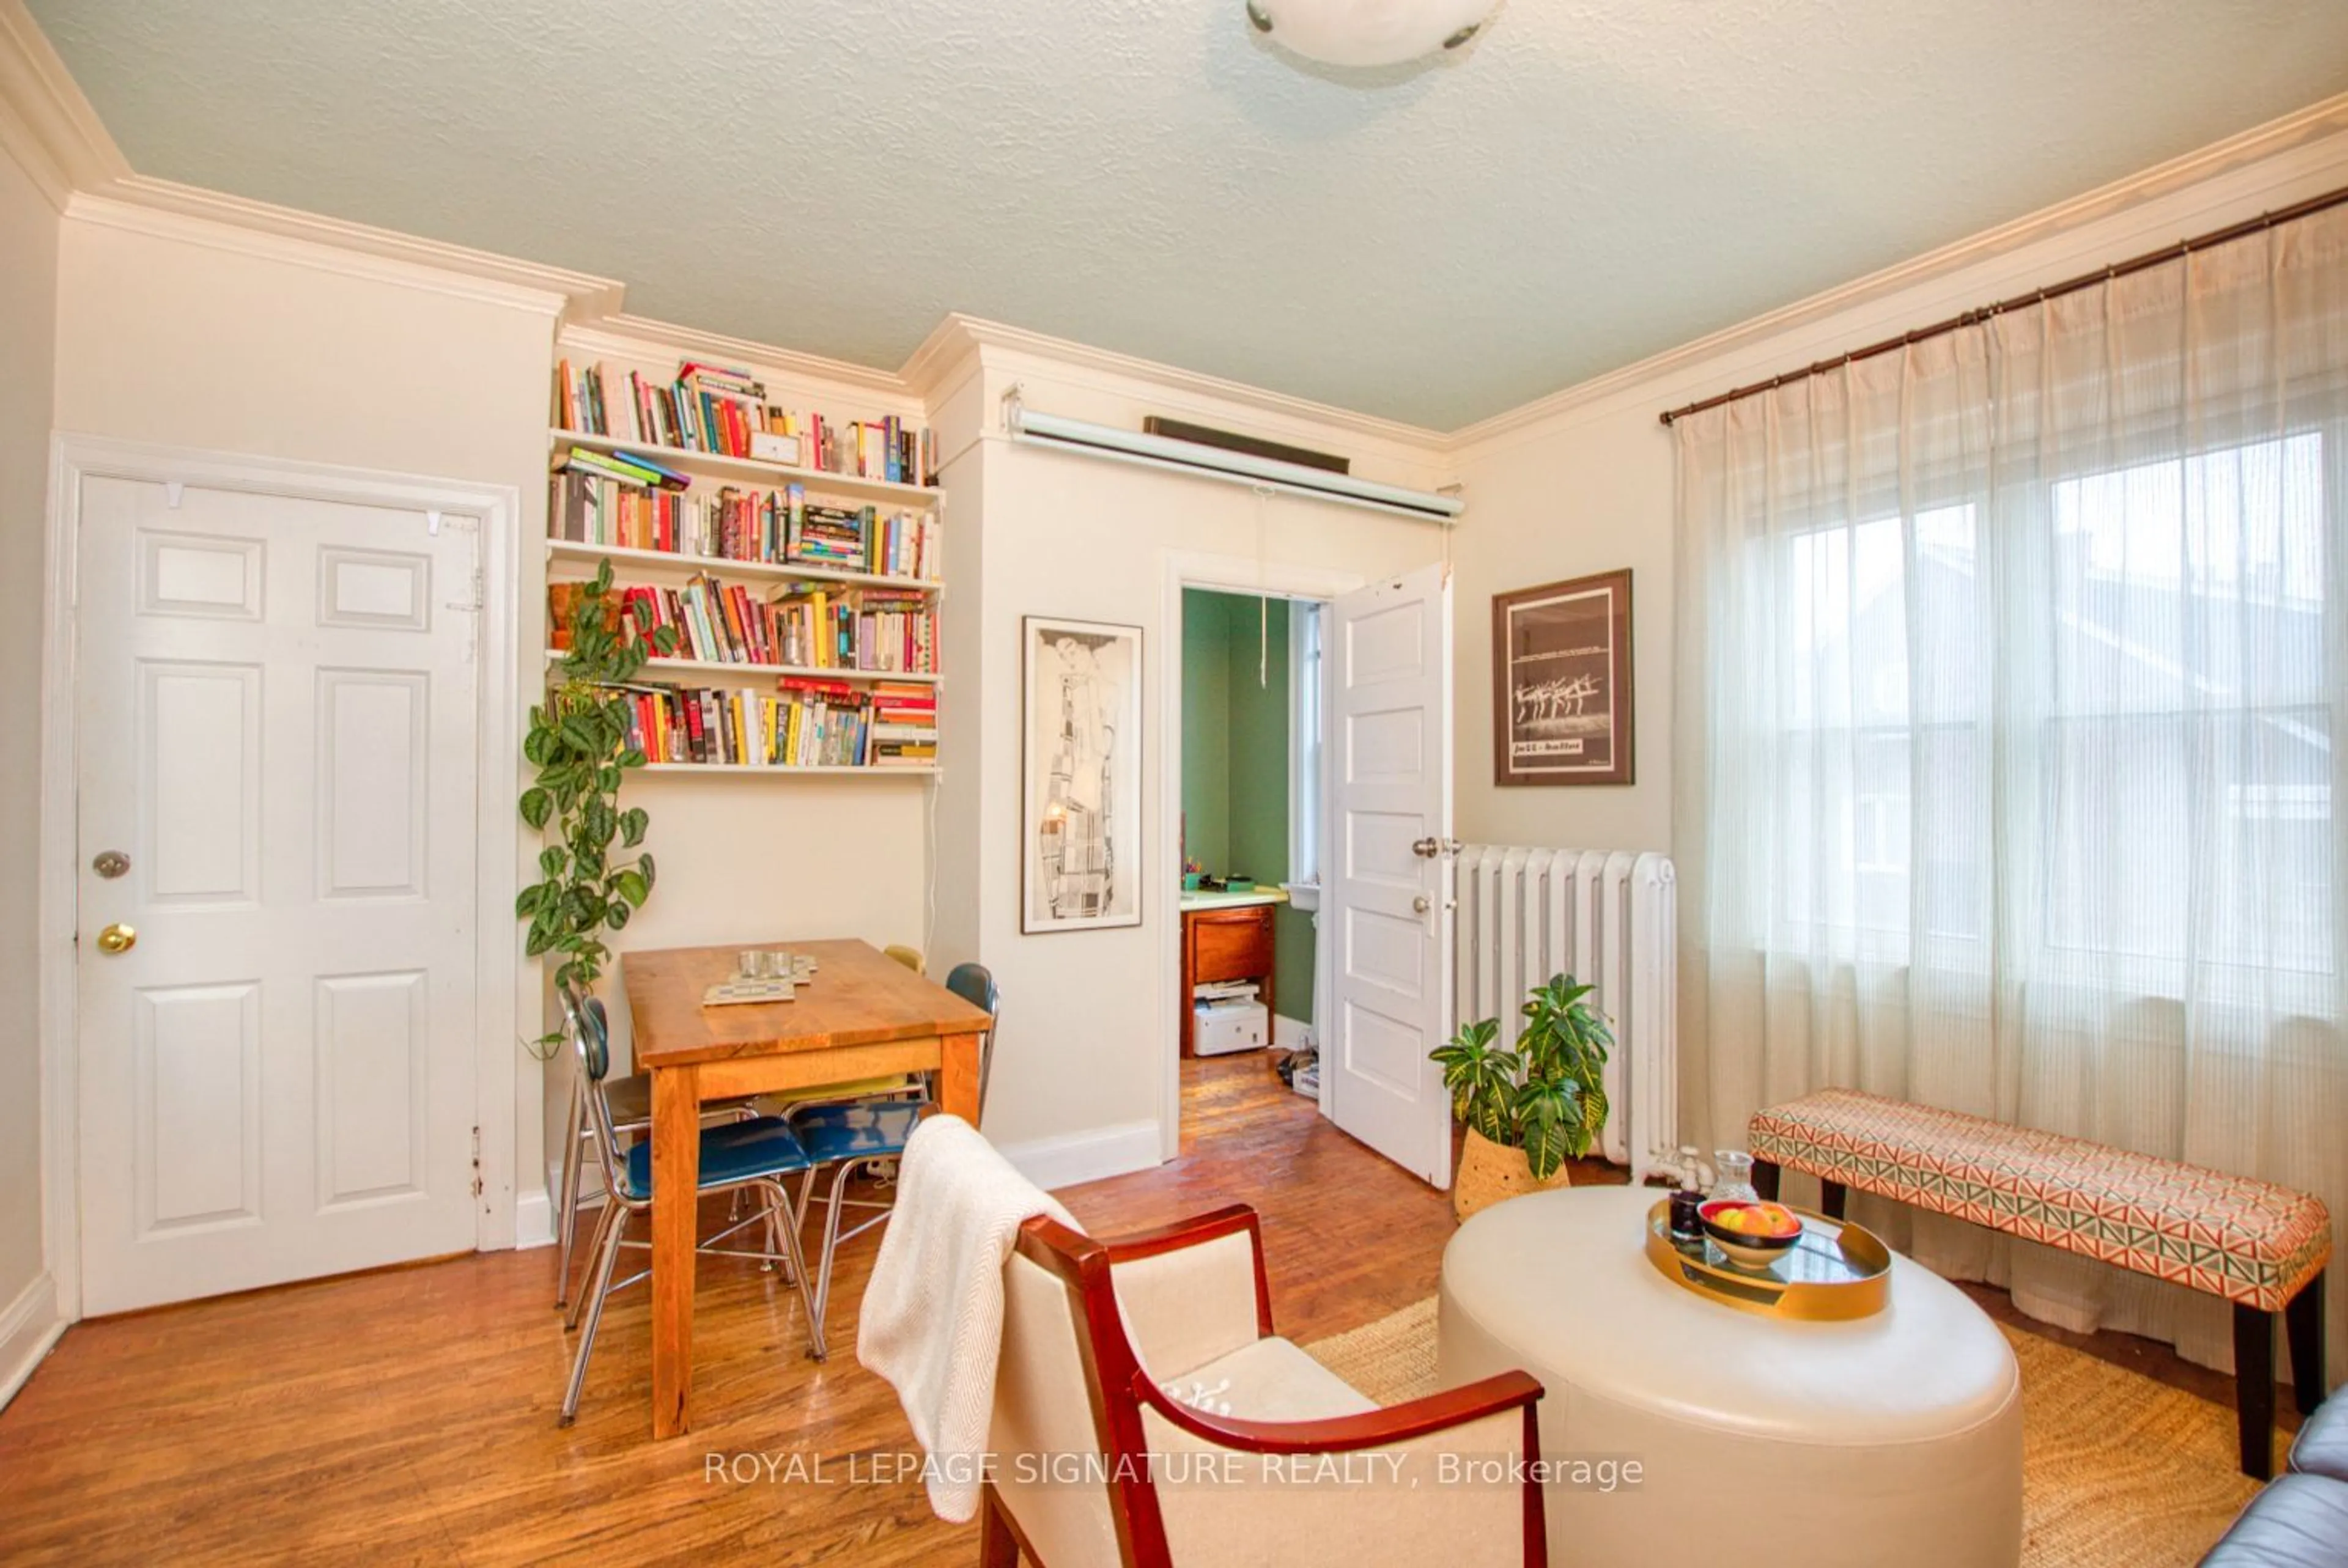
<point x="1264" y="494"/>
<point x="930" y="868"/>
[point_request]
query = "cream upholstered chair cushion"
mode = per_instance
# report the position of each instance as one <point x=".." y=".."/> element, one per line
<point x="1270" y="1380"/>
<point x="1195" y="1319"/>
<point x="1405" y="1501"/>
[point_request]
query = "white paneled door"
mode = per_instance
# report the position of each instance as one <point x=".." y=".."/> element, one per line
<point x="1389" y="757"/>
<point x="277" y="718"/>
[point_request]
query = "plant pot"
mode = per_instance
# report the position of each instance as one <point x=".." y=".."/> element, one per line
<point x="1493" y="1173"/>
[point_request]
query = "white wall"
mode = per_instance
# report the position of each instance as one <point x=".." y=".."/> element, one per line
<point x="279" y="351"/>
<point x="1078" y="1070"/>
<point x="28" y="282"/>
<point x="1582" y="482"/>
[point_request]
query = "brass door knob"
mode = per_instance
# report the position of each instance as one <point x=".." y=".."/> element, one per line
<point x="118" y="938"/>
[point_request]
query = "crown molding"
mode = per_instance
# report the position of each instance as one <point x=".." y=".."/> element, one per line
<point x="626" y="336"/>
<point x="2315" y="123"/>
<point x="958" y="336"/>
<point x="46" y="123"/>
<point x="944" y="358"/>
<point x="48" y="127"/>
<point x="131" y="206"/>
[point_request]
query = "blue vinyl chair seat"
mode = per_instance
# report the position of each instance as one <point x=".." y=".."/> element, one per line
<point x="730" y="1153"/>
<point x="864" y="1130"/>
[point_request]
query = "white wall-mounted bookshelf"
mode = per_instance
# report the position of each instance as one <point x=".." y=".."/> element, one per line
<point x="885" y="521"/>
<point x="764" y="769"/>
<point x="623" y="558"/>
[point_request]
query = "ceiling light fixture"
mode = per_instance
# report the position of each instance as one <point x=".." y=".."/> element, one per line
<point x="1369" y="32"/>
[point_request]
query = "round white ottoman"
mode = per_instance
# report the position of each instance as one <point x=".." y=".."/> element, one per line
<point x="1892" y="1441"/>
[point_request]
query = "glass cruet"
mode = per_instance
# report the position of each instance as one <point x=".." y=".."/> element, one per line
<point x="1733" y="1178"/>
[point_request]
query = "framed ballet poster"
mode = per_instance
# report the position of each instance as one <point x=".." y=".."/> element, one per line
<point x="1562" y="683"/>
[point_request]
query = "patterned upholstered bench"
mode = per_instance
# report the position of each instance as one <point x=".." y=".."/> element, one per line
<point x="2262" y="1246"/>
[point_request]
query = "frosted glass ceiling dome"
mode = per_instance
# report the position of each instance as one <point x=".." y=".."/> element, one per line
<point x="1368" y="32"/>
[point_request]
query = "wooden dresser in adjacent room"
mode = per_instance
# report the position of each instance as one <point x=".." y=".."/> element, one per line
<point x="1226" y="944"/>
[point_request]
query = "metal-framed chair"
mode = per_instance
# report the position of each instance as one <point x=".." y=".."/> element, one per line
<point x="852" y="1135"/>
<point x="751" y="1155"/>
<point x="630" y="1098"/>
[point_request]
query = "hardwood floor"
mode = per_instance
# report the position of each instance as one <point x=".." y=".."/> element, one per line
<point x="407" y="1416"/>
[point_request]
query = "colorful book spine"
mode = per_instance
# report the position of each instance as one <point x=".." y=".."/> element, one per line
<point x="717" y="409"/>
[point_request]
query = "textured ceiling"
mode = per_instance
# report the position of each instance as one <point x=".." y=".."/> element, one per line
<point x="1594" y="181"/>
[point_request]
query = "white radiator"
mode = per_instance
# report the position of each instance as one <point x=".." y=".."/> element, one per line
<point x="1607" y="920"/>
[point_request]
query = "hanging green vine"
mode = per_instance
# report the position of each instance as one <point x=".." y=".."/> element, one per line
<point x="578" y="742"/>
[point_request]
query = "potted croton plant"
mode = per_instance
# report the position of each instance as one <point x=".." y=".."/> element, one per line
<point x="1530" y="1109"/>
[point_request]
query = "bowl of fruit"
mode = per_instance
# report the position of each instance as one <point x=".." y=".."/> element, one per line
<point x="1753" y="1234"/>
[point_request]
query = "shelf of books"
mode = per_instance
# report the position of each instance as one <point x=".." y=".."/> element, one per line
<point x="717" y="420"/>
<point x="623" y="556"/>
<point x="659" y="667"/>
<point x="717" y="465"/>
<point x="753" y="770"/>
<point x="801" y="626"/>
<point x="810" y="557"/>
<point x="591" y="502"/>
<point x="807" y="725"/>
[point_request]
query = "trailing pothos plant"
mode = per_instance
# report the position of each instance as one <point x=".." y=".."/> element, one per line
<point x="1548" y="1095"/>
<point x="579" y="742"/>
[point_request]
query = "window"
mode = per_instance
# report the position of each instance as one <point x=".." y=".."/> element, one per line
<point x="2154" y="637"/>
<point x="1855" y="736"/>
<point x="1304" y="742"/>
<point x="2188" y="701"/>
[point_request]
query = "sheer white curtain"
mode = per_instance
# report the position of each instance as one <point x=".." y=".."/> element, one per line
<point x="2011" y="683"/>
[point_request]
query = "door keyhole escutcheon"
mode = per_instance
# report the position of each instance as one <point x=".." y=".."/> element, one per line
<point x="109" y="862"/>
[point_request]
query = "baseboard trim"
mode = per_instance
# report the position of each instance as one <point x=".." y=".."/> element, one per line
<point x="534" y="1218"/>
<point x="1289" y="1033"/>
<point x="1078" y="1157"/>
<point x="29" y="1326"/>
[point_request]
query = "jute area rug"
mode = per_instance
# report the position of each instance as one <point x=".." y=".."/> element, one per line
<point x="2119" y="1471"/>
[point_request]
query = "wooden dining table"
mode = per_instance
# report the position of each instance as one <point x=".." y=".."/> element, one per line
<point x="863" y="1015"/>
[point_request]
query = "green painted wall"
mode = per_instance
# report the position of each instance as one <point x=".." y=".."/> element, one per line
<point x="1206" y="731"/>
<point x="1235" y="764"/>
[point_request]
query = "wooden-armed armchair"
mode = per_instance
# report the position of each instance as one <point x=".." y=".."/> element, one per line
<point x="1257" y="1455"/>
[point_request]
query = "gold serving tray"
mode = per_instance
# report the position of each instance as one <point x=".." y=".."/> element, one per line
<point x="1837" y="1272"/>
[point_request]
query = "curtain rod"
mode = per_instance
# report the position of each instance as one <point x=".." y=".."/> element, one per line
<point x="2314" y="204"/>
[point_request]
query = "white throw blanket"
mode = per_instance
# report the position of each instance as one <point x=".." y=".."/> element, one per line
<point x="931" y="1323"/>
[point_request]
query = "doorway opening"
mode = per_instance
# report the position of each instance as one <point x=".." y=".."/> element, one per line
<point x="1251" y="817"/>
<point x="1378" y="787"/>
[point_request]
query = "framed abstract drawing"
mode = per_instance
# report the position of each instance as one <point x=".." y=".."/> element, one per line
<point x="1562" y="683"/>
<point x="1080" y="822"/>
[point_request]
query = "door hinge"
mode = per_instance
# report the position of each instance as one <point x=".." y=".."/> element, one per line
<point x="475" y="598"/>
<point x="475" y="589"/>
<point x="478" y="1185"/>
